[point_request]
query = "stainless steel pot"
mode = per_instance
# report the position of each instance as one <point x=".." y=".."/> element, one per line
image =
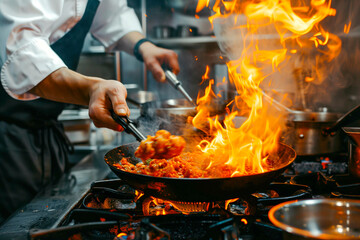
<point x="186" y="31"/>
<point x="174" y="108"/>
<point x="318" y="219"/>
<point x="163" y="32"/>
<point x="174" y="114"/>
<point x="306" y="133"/>
<point x="144" y="100"/>
<point x="313" y="133"/>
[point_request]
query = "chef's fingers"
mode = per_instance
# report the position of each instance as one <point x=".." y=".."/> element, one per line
<point x="156" y="57"/>
<point x="101" y="117"/>
<point x="172" y="62"/>
<point x="117" y="98"/>
<point x="108" y="95"/>
<point x="154" y="66"/>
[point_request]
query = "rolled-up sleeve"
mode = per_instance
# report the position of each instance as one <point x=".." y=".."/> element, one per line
<point x="113" y="20"/>
<point x="26" y="56"/>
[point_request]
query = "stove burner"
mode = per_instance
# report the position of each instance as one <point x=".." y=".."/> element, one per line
<point x="113" y="210"/>
<point x="117" y="196"/>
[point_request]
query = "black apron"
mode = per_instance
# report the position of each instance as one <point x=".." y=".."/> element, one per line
<point x="33" y="146"/>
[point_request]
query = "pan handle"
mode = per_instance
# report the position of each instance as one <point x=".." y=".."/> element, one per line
<point x="128" y="126"/>
<point x="350" y="116"/>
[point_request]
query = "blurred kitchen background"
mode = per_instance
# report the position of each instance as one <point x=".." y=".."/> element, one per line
<point x="174" y="24"/>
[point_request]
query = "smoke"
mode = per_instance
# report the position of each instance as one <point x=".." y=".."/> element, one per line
<point x="308" y="77"/>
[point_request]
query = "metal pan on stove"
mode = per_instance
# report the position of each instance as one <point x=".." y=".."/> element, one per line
<point x="196" y="189"/>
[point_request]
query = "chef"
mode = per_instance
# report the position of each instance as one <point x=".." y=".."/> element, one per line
<point x="41" y="41"/>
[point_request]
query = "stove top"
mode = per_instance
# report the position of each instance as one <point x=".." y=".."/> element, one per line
<point x="80" y="206"/>
<point x="113" y="210"/>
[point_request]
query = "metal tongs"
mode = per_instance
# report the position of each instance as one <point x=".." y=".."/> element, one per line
<point x="128" y="126"/>
<point x="172" y="79"/>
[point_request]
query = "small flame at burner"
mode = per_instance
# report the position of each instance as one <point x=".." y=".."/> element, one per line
<point x="155" y="206"/>
<point x="138" y="195"/>
<point x="191" y="207"/>
<point x="227" y="202"/>
<point x="121" y="235"/>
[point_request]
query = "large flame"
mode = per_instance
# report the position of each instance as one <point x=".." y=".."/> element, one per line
<point x="296" y="23"/>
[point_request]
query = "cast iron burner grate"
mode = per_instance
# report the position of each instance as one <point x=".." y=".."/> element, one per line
<point x="113" y="210"/>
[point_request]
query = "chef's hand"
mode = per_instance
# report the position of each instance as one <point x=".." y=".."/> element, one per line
<point x="154" y="57"/>
<point x="65" y="85"/>
<point x="105" y="96"/>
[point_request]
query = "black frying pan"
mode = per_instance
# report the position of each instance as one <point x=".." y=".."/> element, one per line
<point x="196" y="189"/>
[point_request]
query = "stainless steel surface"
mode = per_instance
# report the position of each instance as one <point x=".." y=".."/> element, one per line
<point x="168" y="112"/>
<point x="305" y="133"/>
<point x="318" y="219"/>
<point x="177" y="103"/>
<point x="142" y="97"/>
<point x="354" y="150"/>
<point x="195" y="42"/>
<point x="186" y="31"/>
<point x="174" y="114"/>
<point x="76" y="125"/>
<point x="314" y="117"/>
<point x="171" y="107"/>
<point x="171" y="77"/>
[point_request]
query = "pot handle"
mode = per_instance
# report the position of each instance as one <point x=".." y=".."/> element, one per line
<point x="347" y="118"/>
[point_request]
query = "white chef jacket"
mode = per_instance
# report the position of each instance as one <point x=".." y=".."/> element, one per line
<point x="29" y="27"/>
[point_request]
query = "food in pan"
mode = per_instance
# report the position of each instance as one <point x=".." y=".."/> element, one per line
<point x="163" y="156"/>
<point x="161" y="146"/>
<point x="188" y="165"/>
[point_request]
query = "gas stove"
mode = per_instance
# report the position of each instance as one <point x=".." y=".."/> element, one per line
<point x="113" y="210"/>
<point x="82" y="207"/>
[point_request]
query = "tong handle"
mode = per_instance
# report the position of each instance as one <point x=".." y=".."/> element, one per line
<point x="128" y="126"/>
<point x="172" y="79"/>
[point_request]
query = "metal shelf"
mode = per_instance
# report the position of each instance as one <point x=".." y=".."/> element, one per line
<point x="211" y="41"/>
<point x="188" y="42"/>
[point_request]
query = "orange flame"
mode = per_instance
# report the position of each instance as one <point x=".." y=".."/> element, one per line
<point x="227" y="202"/>
<point x="121" y="235"/>
<point x="347" y="28"/>
<point x="248" y="146"/>
<point x="201" y="5"/>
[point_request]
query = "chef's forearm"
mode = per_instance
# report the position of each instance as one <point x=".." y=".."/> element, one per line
<point x="65" y="85"/>
<point x="128" y="41"/>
